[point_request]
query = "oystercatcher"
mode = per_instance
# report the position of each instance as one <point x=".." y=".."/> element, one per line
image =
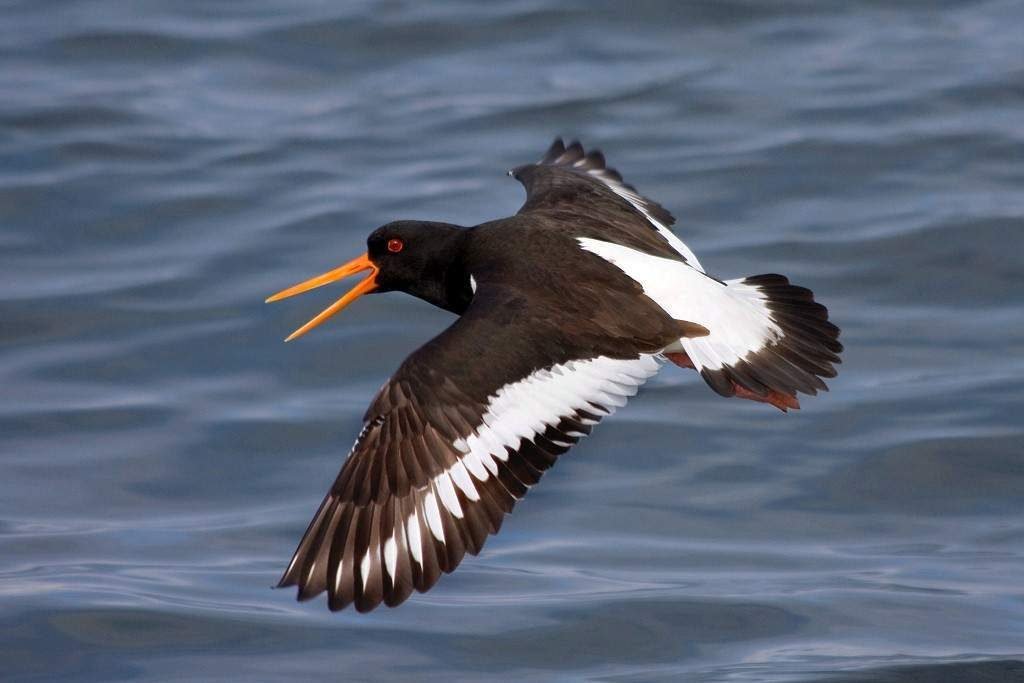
<point x="565" y="309"/>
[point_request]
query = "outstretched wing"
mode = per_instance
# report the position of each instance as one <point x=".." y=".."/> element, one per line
<point x="573" y="181"/>
<point x="447" y="449"/>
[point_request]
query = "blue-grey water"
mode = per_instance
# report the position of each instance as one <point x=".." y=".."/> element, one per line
<point x="164" y="166"/>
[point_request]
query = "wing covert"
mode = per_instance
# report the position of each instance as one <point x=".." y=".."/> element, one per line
<point x="570" y="179"/>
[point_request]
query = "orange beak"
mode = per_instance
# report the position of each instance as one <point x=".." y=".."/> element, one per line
<point x="356" y="265"/>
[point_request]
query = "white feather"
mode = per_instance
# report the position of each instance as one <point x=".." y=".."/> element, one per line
<point x="525" y="408"/>
<point x="460" y="476"/>
<point x="337" y="575"/>
<point x="364" y="566"/>
<point x="446" y="492"/>
<point x="433" y="516"/>
<point x="735" y="314"/>
<point x="412" y="528"/>
<point x="390" y="556"/>
<point x="472" y="460"/>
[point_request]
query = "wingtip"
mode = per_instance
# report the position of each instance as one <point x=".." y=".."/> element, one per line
<point x="556" y="150"/>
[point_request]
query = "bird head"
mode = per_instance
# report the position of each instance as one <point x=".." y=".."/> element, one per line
<point x="417" y="257"/>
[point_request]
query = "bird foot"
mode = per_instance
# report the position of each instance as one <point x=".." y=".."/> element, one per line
<point x="776" y="398"/>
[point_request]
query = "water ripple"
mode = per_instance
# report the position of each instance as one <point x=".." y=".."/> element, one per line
<point x="164" y="167"/>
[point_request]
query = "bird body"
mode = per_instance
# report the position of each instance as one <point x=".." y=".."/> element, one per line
<point x="565" y="309"/>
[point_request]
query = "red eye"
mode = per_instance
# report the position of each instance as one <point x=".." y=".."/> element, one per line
<point x="395" y="245"/>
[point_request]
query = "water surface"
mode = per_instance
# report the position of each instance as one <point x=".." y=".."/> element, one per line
<point x="165" y="166"/>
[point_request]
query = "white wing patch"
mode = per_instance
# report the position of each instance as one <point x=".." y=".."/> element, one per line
<point x="733" y="312"/>
<point x="524" y="409"/>
<point x="521" y="411"/>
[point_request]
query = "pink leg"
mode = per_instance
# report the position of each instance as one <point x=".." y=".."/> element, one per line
<point x="681" y="359"/>
<point x="776" y="398"/>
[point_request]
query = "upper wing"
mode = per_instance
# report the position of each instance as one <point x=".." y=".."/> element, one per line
<point x="449" y="444"/>
<point x="570" y="179"/>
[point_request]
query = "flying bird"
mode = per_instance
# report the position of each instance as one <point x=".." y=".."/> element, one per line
<point x="564" y="310"/>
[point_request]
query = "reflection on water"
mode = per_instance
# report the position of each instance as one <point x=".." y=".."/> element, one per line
<point x="165" y="167"/>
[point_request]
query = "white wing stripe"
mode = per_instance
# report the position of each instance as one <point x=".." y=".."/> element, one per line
<point x="460" y="476"/>
<point x="445" y="490"/>
<point x="526" y="408"/>
<point x="364" y="566"/>
<point x="338" y="575"/>
<point x="473" y="461"/>
<point x="433" y="516"/>
<point x="519" y="410"/>
<point x="412" y="529"/>
<point x="391" y="556"/>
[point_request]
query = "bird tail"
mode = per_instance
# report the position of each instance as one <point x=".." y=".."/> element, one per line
<point x="771" y="340"/>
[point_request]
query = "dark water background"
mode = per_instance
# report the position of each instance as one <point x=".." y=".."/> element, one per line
<point x="166" y="165"/>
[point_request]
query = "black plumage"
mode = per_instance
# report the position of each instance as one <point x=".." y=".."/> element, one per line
<point x="437" y="465"/>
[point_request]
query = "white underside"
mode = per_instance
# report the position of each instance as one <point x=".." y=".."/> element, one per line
<point x="734" y="313"/>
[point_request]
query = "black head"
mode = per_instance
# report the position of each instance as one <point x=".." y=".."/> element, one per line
<point x="421" y="258"/>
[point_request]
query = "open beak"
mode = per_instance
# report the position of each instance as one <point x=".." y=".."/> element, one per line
<point x="356" y="265"/>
